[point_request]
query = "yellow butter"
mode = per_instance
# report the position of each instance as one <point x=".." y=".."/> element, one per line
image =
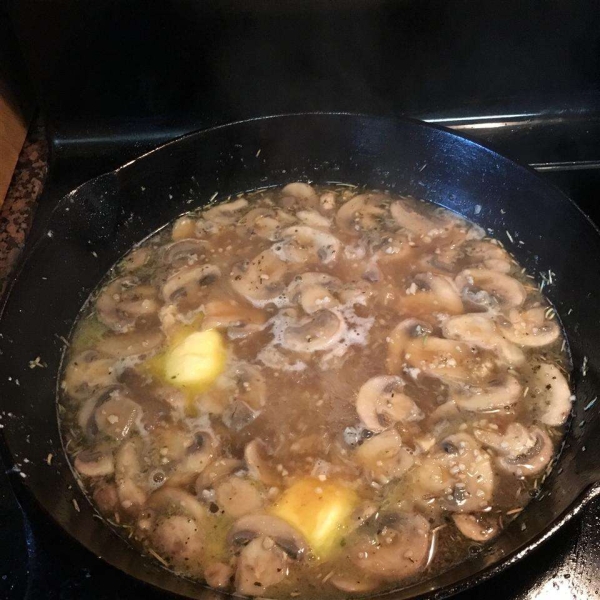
<point x="196" y="360"/>
<point x="319" y="510"/>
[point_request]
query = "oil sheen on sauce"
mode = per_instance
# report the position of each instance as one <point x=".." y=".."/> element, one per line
<point x="313" y="391"/>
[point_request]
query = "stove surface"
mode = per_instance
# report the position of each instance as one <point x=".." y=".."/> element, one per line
<point x="38" y="560"/>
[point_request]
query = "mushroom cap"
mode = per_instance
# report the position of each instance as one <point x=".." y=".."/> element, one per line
<point x="237" y="496"/>
<point x="489" y="289"/>
<point x="523" y="452"/>
<point x="118" y="415"/>
<point x="178" y="539"/>
<point x="260" y="280"/>
<point x="429" y="293"/>
<point x="399" y="551"/>
<point x="94" y="463"/>
<point x="383" y="456"/>
<point x="410" y="219"/>
<point x="492" y="396"/>
<point x="480" y="329"/>
<point x="87" y="372"/>
<point x="134" y="343"/>
<point x="128" y="475"/>
<point x="478" y="527"/>
<point x="312" y="218"/>
<point x="447" y="360"/>
<point x="171" y="500"/>
<point x="354" y="583"/>
<point x="306" y="245"/>
<point x="215" y="471"/>
<point x="364" y="212"/>
<point x="187" y="287"/>
<point x="300" y="190"/>
<point x="313" y="291"/>
<point x="239" y="320"/>
<point x="123" y="301"/>
<point x="380" y="403"/>
<point x="222" y="214"/>
<point x="401" y="337"/>
<point x="529" y="328"/>
<point x="259" y="466"/>
<point x="550" y="397"/>
<point x="259" y="525"/>
<point x="457" y="472"/>
<point x="187" y="251"/>
<point x="322" y="330"/>
<point x="261" y="565"/>
<point x="487" y="255"/>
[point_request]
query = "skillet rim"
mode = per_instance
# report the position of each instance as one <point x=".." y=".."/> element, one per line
<point x="588" y="492"/>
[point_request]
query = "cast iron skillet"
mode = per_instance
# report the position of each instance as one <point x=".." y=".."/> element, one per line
<point x="95" y="225"/>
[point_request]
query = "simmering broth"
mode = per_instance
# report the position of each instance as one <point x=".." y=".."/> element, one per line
<point x="314" y="390"/>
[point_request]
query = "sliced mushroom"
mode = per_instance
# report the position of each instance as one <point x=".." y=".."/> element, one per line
<point x="322" y="330"/>
<point x="429" y="293"/>
<point x="242" y="385"/>
<point x="187" y="251"/>
<point x="221" y="215"/>
<point x="384" y="457"/>
<point x="521" y="451"/>
<point x="218" y="575"/>
<point x="259" y="464"/>
<point x="265" y="222"/>
<point x="381" y="403"/>
<point x="529" y="328"/>
<point x="313" y="291"/>
<point x="364" y="212"/>
<point x="313" y="219"/>
<point x="188" y="287"/>
<point x="136" y="259"/>
<point x="307" y="245"/>
<point x="397" y="549"/>
<point x="124" y="301"/>
<point x="106" y="498"/>
<point x="481" y="330"/>
<point x="283" y="534"/>
<point x="550" y="396"/>
<point x="495" y="395"/>
<point x="237" y="496"/>
<point x="478" y="527"/>
<point x="457" y="472"/>
<point x="197" y="457"/>
<point x="354" y="583"/>
<point x="134" y="343"/>
<point x="240" y="321"/>
<point x="128" y="476"/>
<point x="183" y="228"/>
<point x="302" y="191"/>
<point x="174" y="501"/>
<point x="260" y="280"/>
<point x="87" y="372"/>
<point x="216" y="471"/>
<point x="487" y="255"/>
<point x="117" y="415"/>
<point x="327" y="201"/>
<point x="490" y="290"/>
<point x="401" y="338"/>
<point x="261" y="565"/>
<point x="94" y="463"/>
<point x="179" y="541"/>
<point x="414" y="221"/>
<point x="448" y="360"/>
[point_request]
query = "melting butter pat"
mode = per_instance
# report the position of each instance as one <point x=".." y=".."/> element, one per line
<point x="319" y="510"/>
<point x="196" y="360"/>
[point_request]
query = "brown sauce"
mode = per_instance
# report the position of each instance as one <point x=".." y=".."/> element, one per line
<point x="315" y="389"/>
